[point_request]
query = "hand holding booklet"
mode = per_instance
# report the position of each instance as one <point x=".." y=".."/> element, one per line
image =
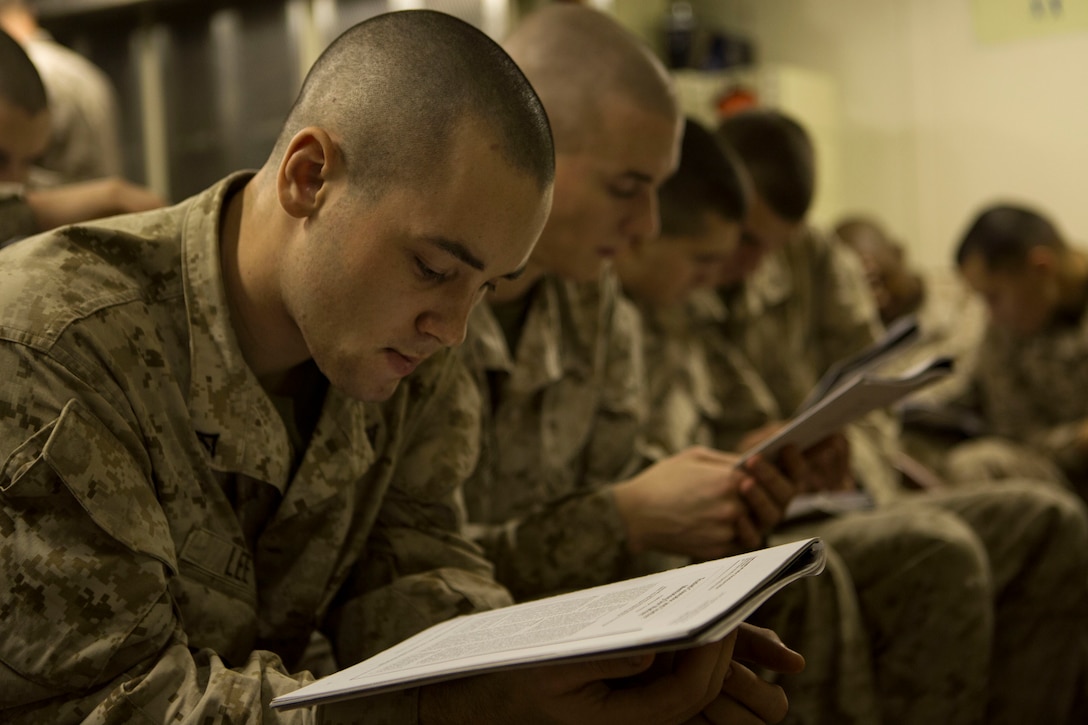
<point x="674" y="609"/>
<point x="850" y="389"/>
<point x="849" y="400"/>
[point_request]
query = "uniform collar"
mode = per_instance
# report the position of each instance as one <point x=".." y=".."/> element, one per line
<point x="705" y="306"/>
<point x="233" y="416"/>
<point x="558" y="339"/>
<point x="767" y="288"/>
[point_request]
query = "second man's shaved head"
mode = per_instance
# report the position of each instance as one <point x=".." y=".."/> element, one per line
<point x="576" y="58"/>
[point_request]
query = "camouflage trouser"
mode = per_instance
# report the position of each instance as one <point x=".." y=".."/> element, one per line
<point x="1036" y="540"/>
<point x="992" y="459"/>
<point x="818" y="616"/>
<point x="921" y="589"/>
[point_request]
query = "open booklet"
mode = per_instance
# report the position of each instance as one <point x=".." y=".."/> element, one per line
<point x="897" y="337"/>
<point x="674" y="609"/>
<point x="847" y="400"/>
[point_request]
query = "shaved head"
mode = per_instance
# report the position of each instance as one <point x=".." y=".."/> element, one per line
<point x="777" y="153"/>
<point x="1002" y="235"/>
<point x="708" y="179"/>
<point x="392" y="91"/>
<point x="577" y="57"/>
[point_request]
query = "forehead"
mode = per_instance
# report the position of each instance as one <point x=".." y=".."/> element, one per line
<point x="762" y="221"/>
<point x="629" y="137"/>
<point x="980" y="276"/>
<point x="718" y="237"/>
<point x="478" y="199"/>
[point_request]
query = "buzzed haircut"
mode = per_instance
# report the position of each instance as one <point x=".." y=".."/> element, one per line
<point x="778" y="156"/>
<point x="707" y="180"/>
<point x="20" y="84"/>
<point x="394" y="88"/>
<point x="1003" y="234"/>
<point x="577" y="57"/>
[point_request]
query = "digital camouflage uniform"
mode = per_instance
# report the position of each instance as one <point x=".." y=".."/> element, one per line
<point x="1036" y="601"/>
<point x="561" y="424"/>
<point x="878" y="659"/>
<point x="679" y="386"/>
<point x="1031" y="393"/>
<point x="165" y="537"/>
<point x="806" y="307"/>
<point x="952" y="321"/>
<point x="564" y="422"/>
<point x="16" y="218"/>
<point x="818" y="616"/>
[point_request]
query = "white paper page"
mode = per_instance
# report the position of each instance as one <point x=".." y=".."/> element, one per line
<point x="899" y="336"/>
<point x="655" y="609"/>
<point x="848" y="402"/>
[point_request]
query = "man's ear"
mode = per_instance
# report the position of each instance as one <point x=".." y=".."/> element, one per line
<point x="305" y="170"/>
<point x="1043" y="259"/>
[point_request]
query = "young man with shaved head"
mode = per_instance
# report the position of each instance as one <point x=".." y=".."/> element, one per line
<point x="702" y="211"/>
<point x="556" y="502"/>
<point x="1029" y="378"/>
<point x="558" y="358"/>
<point x="233" y="422"/>
<point x="951" y="321"/>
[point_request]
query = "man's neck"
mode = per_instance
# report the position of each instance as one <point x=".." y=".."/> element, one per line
<point x="251" y="235"/>
<point x="509" y="290"/>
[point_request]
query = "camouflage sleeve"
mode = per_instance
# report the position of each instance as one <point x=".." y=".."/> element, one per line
<point x="1011" y="410"/>
<point x="419" y="569"/>
<point x="571" y="542"/>
<point x="577" y="539"/>
<point x="90" y="627"/>
<point x="746" y="403"/>
<point x="847" y="321"/>
<point x="679" y="402"/>
<point x="613" y="450"/>
<point x="845" y="314"/>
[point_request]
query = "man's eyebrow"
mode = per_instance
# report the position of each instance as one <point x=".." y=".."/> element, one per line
<point x="638" y="176"/>
<point x="458" y="250"/>
<point x="462" y="253"/>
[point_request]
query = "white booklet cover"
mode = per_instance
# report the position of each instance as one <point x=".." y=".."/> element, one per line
<point x="673" y="609"/>
<point x="849" y="400"/>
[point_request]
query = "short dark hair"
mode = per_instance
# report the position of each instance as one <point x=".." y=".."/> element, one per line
<point x="778" y="156"/>
<point x="20" y="84"/>
<point x="706" y="180"/>
<point x="1003" y="234"/>
<point x="397" y="86"/>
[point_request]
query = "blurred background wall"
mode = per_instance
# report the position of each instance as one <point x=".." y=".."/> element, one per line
<point x="922" y="110"/>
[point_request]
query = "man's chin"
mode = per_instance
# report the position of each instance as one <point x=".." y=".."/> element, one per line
<point x="588" y="273"/>
<point x="371" y="393"/>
